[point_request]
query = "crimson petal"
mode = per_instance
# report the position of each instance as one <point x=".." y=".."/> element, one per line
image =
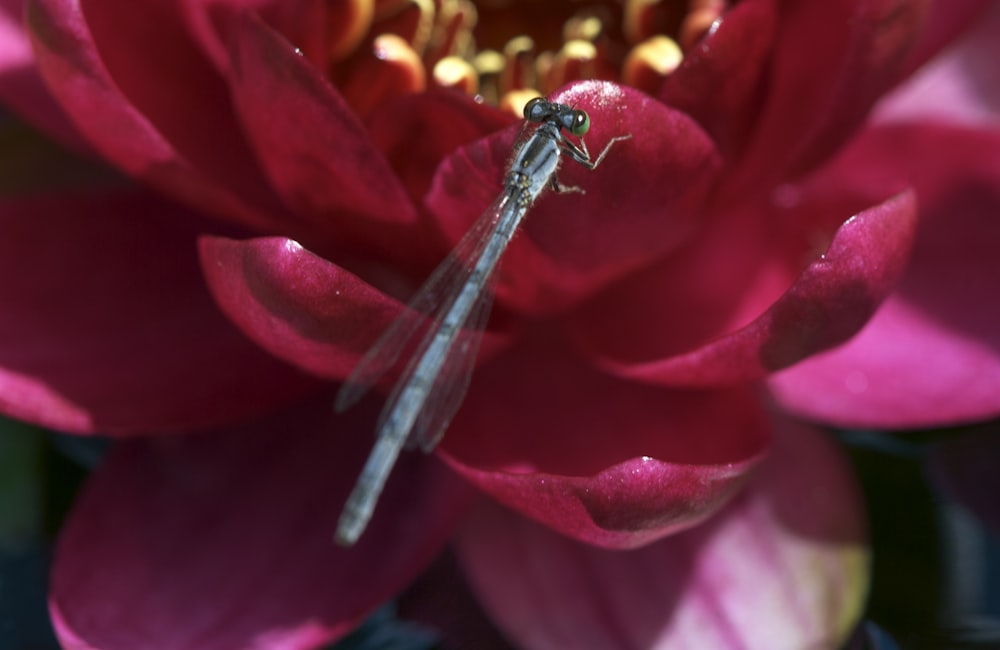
<point x="643" y="200"/>
<point x="783" y="566"/>
<point x="719" y="82"/>
<point x="947" y="20"/>
<point x="224" y="540"/>
<point x="831" y="62"/>
<point x="829" y="302"/>
<point x="108" y="327"/>
<point x="294" y="303"/>
<point x="609" y="462"/>
<point x="135" y="111"/>
<point x="314" y="149"/>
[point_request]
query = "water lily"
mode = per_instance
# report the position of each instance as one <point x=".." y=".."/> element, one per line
<point x="324" y="159"/>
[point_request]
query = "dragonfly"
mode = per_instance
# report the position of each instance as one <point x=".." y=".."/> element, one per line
<point x="457" y="298"/>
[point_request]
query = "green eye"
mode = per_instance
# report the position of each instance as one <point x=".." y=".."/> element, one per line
<point x="581" y="123"/>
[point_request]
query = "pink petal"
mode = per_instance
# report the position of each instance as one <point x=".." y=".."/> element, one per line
<point x="643" y="201"/>
<point x="147" y="103"/>
<point x="783" y="566"/>
<point x="960" y="85"/>
<point x="930" y="356"/>
<point x="829" y="302"/>
<point x="21" y="87"/>
<point x="224" y="540"/>
<point x="107" y="325"/>
<point x="610" y="462"/>
<point x="312" y="146"/>
<point x="295" y="304"/>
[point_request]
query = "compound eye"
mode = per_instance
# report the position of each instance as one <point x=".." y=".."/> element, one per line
<point x="534" y="110"/>
<point x="581" y="123"/>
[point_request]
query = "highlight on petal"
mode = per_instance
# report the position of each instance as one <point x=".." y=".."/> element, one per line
<point x="224" y="540"/>
<point x="107" y="325"/>
<point x="609" y="462"/>
<point x="295" y="304"/>
<point x="313" y="147"/>
<point x="142" y="121"/>
<point x="829" y="302"/>
<point x="931" y="354"/>
<point x="579" y="242"/>
<point x="783" y="566"/>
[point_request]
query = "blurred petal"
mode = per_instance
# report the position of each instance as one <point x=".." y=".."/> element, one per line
<point x="946" y="21"/>
<point x="605" y="461"/>
<point x="783" y="566"/>
<point x="961" y="85"/>
<point x="931" y="355"/>
<point x="580" y="242"/>
<point x="314" y="149"/>
<point x="134" y="111"/>
<point x="230" y="533"/>
<point x="21" y="86"/>
<point x="828" y="303"/>
<point x="108" y="327"/>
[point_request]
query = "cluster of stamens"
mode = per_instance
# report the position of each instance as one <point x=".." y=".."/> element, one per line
<point x="384" y="48"/>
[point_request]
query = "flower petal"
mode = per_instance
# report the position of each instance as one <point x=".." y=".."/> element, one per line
<point x="230" y="533"/>
<point x="828" y="303"/>
<point x="580" y="242"/>
<point x="312" y="146"/>
<point x="21" y="87"/>
<point x="147" y="103"/>
<point x="831" y="62"/>
<point x="719" y="82"/>
<point x="929" y="357"/>
<point x="958" y="86"/>
<point x="783" y="566"/>
<point x="107" y="325"/>
<point x="606" y="461"/>
<point x="946" y="21"/>
<point x="294" y="303"/>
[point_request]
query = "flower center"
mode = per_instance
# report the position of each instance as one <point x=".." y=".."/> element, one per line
<point x="506" y="51"/>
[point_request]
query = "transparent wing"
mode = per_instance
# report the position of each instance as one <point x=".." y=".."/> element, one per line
<point x="438" y="290"/>
<point x="449" y="387"/>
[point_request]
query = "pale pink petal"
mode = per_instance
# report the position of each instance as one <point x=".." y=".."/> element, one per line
<point x="783" y="566"/>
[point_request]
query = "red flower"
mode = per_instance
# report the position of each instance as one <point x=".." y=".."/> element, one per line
<point x="618" y="400"/>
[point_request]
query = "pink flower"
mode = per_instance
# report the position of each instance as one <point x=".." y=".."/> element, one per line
<point x="619" y="400"/>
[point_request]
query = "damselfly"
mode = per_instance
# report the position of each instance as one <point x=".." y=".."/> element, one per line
<point x="456" y="297"/>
